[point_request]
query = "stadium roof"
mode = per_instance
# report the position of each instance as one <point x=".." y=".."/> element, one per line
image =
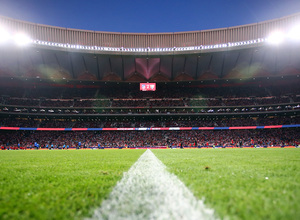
<point x="242" y="52"/>
<point x="246" y="63"/>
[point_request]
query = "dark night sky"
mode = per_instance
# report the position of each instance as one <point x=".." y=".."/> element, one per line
<point x="147" y="16"/>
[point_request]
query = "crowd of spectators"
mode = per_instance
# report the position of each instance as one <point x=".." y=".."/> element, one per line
<point x="147" y="110"/>
<point x="166" y="101"/>
<point x="132" y="139"/>
<point x="148" y="123"/>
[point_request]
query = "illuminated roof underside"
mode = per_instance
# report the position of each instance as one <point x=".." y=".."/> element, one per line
<point x="263" y="49"/>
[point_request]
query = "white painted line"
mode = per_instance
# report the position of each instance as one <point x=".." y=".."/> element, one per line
<point x="149" y="191"/>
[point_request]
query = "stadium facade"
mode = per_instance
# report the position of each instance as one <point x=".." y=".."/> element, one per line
<point x="245" y="76"/>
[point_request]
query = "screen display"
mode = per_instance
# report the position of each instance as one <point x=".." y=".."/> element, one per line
<point x="147" y="86"/>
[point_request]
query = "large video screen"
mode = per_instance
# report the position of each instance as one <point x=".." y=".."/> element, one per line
<point x="148" y="86"/>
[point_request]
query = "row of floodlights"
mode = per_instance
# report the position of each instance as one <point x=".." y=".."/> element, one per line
<point x="116" y="49"/>
<point x="276" y="37"/>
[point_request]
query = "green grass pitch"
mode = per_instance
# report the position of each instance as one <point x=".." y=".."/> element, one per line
<point x="241" y="183"/>
<point x="59" y="184"/>
<point x="237" y="183"/>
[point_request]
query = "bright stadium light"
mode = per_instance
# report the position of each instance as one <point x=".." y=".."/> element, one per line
<point x="22" y="39"/>
<point x="4" y="35"/>
<point x="276" y="38"/>
<point x="294" y="34"/>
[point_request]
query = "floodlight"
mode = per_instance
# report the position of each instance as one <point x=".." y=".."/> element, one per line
<point x="294" y="34"/>
<point x="4" y="35"/>
<point x="276" y="38"/>
<point x="22" y="39"/>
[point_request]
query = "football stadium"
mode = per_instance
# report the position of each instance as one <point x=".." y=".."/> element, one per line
<point x="183" y="125"/>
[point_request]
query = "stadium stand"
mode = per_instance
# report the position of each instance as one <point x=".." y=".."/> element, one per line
<point x="132" y="139"/>
<point x="236" y="91"/>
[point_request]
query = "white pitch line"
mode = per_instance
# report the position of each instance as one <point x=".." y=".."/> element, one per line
<point x="149" y="191"/>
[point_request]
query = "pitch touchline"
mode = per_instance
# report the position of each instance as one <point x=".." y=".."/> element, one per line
<point x="149" y="191"/>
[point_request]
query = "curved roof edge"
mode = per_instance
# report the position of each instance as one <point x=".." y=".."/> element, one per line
<point x="2" y="17"/>
<point x="152" y="40"/>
